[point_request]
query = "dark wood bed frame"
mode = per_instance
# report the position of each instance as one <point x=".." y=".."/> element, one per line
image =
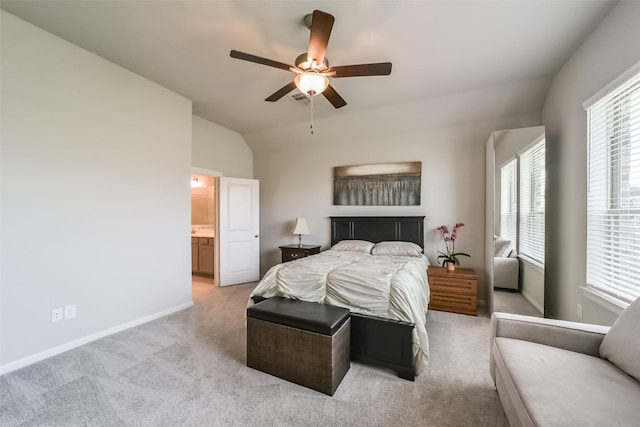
<point x="374" y="340"/>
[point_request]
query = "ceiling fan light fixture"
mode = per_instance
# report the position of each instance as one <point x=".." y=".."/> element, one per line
<point x="311" y="83"/>
<point x="312" y="67"/>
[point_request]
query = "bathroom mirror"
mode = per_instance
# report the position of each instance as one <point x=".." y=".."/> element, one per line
<point x="515" y="217"/>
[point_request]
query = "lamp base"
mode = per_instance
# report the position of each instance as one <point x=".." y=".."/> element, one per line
<point x="299" y="240"/>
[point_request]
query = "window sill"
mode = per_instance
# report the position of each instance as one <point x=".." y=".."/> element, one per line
<point x="604" y="300"/>
<point x="533" y="263"/>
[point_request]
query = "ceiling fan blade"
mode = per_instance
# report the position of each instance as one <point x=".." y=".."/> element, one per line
<point x="281" y="92"/>
<point x="360" y="70"/>
<point x="321" y="25"/>
<point x="259" y="60"/>
<point x="333" y="97"/>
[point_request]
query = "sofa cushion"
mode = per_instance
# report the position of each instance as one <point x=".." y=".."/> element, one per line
<point x="621" y="345"/>
<point x="551" y="386"/>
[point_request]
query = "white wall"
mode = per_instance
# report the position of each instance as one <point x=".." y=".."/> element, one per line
<point x="298" y="181"/>
<point x="95" y="195"/>
<point x="220" y="149"/>
<point x="609" y="50"/>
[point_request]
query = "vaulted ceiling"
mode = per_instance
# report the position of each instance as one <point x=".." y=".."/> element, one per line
<point x="439" y="50"/>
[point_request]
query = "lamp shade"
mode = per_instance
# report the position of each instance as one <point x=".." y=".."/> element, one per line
<point x="311" y="83"/>
<point x="301" y="226"/>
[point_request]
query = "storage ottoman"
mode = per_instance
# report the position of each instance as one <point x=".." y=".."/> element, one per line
<point x="303" y="342"/>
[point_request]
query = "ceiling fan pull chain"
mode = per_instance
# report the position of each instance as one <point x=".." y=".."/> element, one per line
<point x="312" y="114"/>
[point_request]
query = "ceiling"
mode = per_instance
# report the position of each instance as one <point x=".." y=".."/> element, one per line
<point x="438" y="49"/>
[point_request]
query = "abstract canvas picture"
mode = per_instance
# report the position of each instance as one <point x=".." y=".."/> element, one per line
<point x="383" y="184"/>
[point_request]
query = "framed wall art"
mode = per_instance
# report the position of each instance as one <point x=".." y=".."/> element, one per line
<point x="383" y="184"/>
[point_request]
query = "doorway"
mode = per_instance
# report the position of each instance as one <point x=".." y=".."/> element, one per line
<point x="225" y="244"/>
<point x="204" y="226"/>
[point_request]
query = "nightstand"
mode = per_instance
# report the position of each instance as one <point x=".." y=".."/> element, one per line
<point x="455" y="291"/>
<point x="293" y="252"/>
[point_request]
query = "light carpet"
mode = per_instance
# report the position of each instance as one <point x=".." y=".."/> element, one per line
<point x="188" y="369"/>
<point x="513" y="302"/>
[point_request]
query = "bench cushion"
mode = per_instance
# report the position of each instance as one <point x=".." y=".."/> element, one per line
<point x="546" y="386"/>
<point x="309" y="316"/>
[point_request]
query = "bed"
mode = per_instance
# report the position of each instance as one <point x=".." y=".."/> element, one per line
<point x="387" y="295"/>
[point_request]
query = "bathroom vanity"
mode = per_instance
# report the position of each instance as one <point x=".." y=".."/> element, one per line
<point x="202" y="250"/>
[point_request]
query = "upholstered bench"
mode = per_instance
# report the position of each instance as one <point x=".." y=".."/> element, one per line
<point x="302" y="342"/>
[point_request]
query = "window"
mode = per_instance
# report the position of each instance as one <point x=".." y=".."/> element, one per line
<point x="532" y="194"/>
<point x="509" y="201"/>
<point x="613" y="193"/>
<point x="522" y="201"/>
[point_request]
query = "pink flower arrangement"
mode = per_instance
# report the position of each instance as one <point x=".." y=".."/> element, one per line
<point x="449" y="238"/>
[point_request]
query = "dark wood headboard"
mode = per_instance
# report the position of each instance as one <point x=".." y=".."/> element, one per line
<point x="378" y="229"/>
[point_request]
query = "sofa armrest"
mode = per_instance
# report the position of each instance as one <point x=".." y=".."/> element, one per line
<point x="579" y="337"/>
<point x="505" y="273"/>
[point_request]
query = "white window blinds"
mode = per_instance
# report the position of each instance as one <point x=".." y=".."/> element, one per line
<point x="509" y="201"/>
<point x="532" y="194"/>
<point x="613" y="193"/>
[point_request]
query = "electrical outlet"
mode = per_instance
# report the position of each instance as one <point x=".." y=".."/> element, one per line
<point x="69" y="312"/>
<point x="579" y="311"/>
<point x="56" y="315"/>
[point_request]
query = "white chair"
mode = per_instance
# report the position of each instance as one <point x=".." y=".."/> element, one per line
<point x="505" y="265"/>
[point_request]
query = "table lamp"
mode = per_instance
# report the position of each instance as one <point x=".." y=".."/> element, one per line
<point x="300" y="229"/>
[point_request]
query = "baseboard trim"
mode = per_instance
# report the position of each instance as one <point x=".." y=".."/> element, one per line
<point x="29" y="360"/>
<point x="534" y="303"/>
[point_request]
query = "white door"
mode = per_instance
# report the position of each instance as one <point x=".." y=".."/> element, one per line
<point x="239" y="231"/>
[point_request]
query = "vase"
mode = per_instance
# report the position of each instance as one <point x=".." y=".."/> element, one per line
<point x="451" y="266"/>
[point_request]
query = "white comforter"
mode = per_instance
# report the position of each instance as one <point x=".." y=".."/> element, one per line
<point x="391" y="287"/>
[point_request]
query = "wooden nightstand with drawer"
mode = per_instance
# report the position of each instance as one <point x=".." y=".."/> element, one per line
<point x="293" y="252"/>
<point x="455" y="291"/>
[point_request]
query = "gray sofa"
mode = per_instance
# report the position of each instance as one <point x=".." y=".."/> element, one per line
<point x="505" y="265"/>
<point x="557" y="373"/>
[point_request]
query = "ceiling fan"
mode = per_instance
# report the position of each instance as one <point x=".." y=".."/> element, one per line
<point x="312" y="67"/>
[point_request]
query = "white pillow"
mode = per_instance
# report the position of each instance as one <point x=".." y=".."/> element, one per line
<point x="397" y="249"/>
<point x="353" y="246"/>
<point x="502" y="247"/>
<point x="621" y="345"/>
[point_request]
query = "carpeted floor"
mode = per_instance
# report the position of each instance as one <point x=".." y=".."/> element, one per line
<point x="188" y="369"/>
<point x="513" y="302"/>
